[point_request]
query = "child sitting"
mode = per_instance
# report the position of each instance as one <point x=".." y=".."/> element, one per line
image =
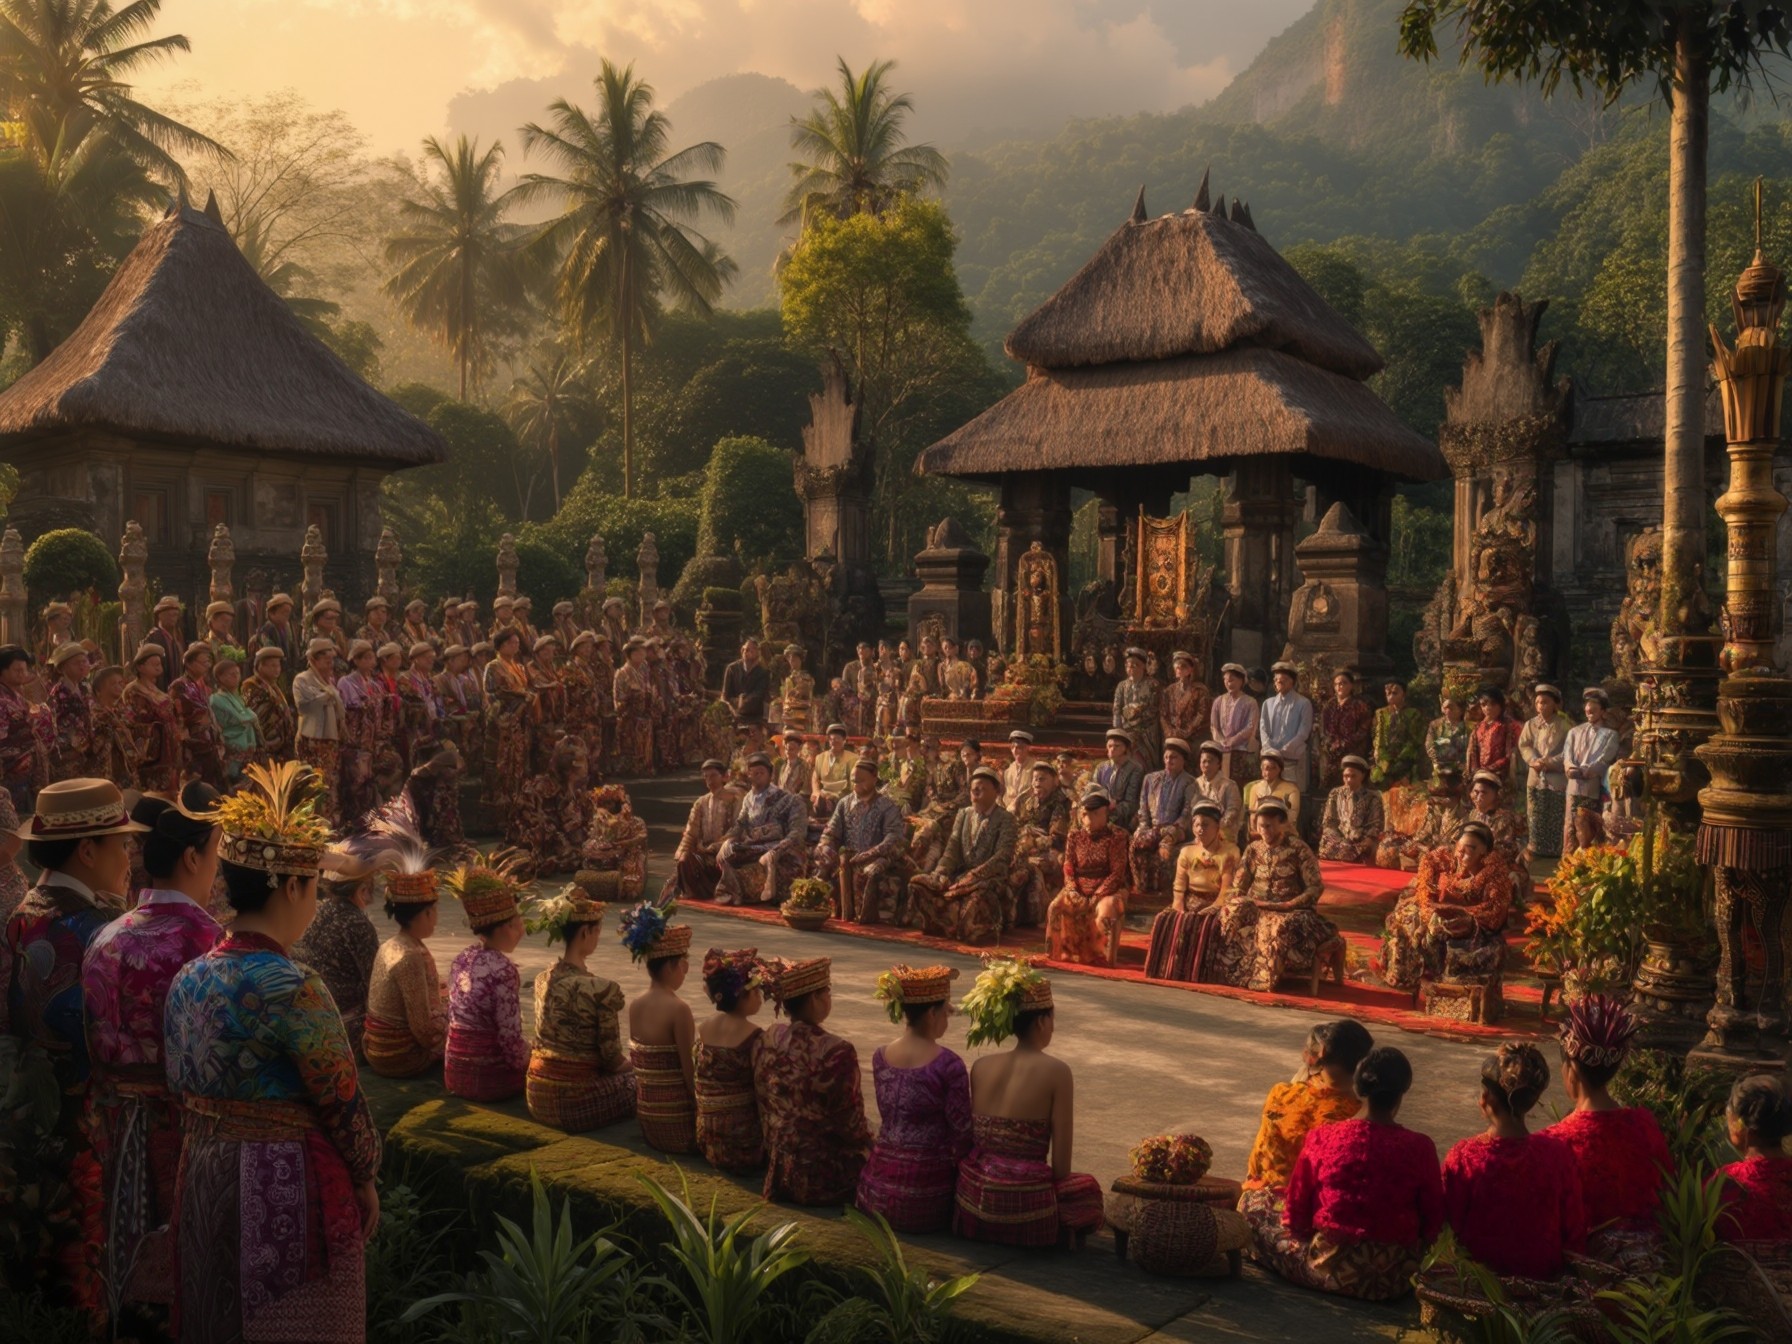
<point x="1513" y="1198"/>
<point x="1758" y="1189"/>
<point x="1321" y="1093"/>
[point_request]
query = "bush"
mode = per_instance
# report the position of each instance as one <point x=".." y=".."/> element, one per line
<point x="546" y="575"/>
<point x="722" y="599"/>
<point x="588" y="509"/>
<point x="702" y="574"/>
<point x="750" y="506"/>
<point x="418" y="398"/>
<point x="66" y="562"/>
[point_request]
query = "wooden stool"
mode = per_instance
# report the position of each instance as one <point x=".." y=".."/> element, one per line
<point x="1479" y="1001"/>
<point x="1329" y="953"/>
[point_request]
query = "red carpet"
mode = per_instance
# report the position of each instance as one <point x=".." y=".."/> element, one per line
<point x="1357" y="898"/>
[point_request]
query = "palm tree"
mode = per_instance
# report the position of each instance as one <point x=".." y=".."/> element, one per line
<point x="547" y="400"/>
<point x="625" y="242"/>
<point x="64" y="71"/>
<point x="460" y="267"/>
<point x="857" y="159"/>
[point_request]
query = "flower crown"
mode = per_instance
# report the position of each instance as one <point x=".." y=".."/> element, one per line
<point x="1007" y="987"/>
<point x="557" y="916"/>
<point x="606" y="796"/>
<point x="647" y="930"/>
<point x="393" y="842"/>
<point x="270" y="825"/>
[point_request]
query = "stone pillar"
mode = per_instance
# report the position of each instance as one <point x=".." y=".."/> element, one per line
<point x="951" y="593"/>
<point x="312" y="558"/>
<point x="1110" y="543"/>
<point x="833" y="478"/>
<point x="387" y="557"/>
<point x="1339" y="615"/>
<point x="595" y="561"/>
<point x="1034" y="506"/>
<point x="507" y="566"/>
<point x="133" y="589"/>
<point x="1258" y="523"/>
<point x="220" y="558"/>
<point x="14" y="626"/>
<point x="647" y="567"/>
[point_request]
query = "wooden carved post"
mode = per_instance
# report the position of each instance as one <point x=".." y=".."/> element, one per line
<point x="221" y="558"/>
<point x="386" y="558"/>
<point x="647" y="562"/>
<point x="507" y="566"/>
<point x="133" y="555"/>
<point x="312" y="556"/>
<point x="12" y="589"/>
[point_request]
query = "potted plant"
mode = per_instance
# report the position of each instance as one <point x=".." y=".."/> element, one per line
<point x="810" y="904"/>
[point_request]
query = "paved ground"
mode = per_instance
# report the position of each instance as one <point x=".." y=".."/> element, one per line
<point x="1147" y="1060"/>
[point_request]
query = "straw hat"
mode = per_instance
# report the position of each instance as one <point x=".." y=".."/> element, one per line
<point x="169" y="603"/>
<point x="219" y="609"/>
<point x="319" y="645"/>
<point x="64" y="652"/>
<point x="78" y="809"/>
<point x="146" y="652"/>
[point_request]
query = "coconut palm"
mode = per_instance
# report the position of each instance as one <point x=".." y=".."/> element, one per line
<point x="625" y="242"/>
<point x="460" y="268"/>
<point x="547" y="401"/>
<point x="857" y="158"/>
<point x="65" y="67"/>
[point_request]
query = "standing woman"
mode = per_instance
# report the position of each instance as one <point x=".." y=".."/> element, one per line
<point x="728" y="1131"/>
<point x="549" y="686"/>
<point x="923" y="1102"/>
<point x="275" y="1122"/>
<point x="1016" y="1188"/>
<point x="202" y="749"/>
<point x="486" y="1057"/>
<point x="363" y="715"/>
<point x="238" y="728"/>
<point x="114" y="749"/>
<point x="318" y="705"/>
<point x="662" y="1032"/>
<point x="24" y="759"/>
<point x="634" y="697"/>
<point x="264" y="693"/>
<point x="155" y="724"/>
<point x="578" y="1077"/>
<point x="509" y="716"/>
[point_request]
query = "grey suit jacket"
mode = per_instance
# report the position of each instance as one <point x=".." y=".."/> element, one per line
<point x="985" y="857"/>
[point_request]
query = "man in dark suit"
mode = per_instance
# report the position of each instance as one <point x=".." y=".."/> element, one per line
<point x="747" y="684"/>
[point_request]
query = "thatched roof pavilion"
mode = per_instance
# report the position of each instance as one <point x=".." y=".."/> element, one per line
<point x="1187" y="345"/>
<point x="191" y="395"/>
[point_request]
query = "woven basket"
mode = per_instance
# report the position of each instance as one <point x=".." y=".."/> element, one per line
<point x="1451" y="1310"/>
<point x="1215" y="1190"/>
<point x="1753" y="1279"/>
<point x="809" y="921"/>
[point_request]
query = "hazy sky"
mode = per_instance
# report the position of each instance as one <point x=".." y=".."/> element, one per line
<point x="974" y="65"/>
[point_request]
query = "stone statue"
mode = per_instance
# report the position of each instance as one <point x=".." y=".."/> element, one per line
<point x="1633" y="631"/>
<point x="1036" y="606"/>
<point x="386" y="558"/>
<point x="792" y="606"/>
<point x="507" y="565"/>
<point x="133" y="556"/>
<point x="221" y="557"/>
<point x="1493" y="613"/>
<point x="647" y="566"/>
<point x="595" y="561"/>
<point x="312" y="557"/>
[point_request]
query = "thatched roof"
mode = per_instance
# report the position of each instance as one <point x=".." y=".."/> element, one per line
<point x="188" y="344"/>
<point x="1204" y="409"/>
<point x="1193" y="283"/>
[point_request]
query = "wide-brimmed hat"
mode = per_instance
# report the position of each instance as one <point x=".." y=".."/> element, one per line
<point x="169" y="603"/>
<point x="78" y="809"/>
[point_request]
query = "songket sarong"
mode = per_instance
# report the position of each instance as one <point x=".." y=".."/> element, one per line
<point x="324" y="755"/>
<point x="974" y="917"/>
<point x="728" y="1132"/>
<point x="268" y="1237"/>
<point x="1179" y="943"/>
<point x="390" y="1050"/>
<point x="663" y="1103"/>
<point x="137" y="1140"/>
<point x="913" y="1188"/>
<point x="1007" y="1194"/>
<point x="572" y="1095"/>
<point x="698" y="875"/>
<point x="1152" y="848"/>
<point x="473" y="1066"/>
<point x="1416" y="947"/>
<point x="1255" y="945"/>
<point x="1546" y="812"/>
<point x="1372" y="1271"/>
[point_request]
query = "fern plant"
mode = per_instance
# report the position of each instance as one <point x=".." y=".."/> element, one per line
<point x="899" y="1305"/>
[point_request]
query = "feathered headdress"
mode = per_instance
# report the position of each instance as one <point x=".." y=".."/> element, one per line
<point x="647" y="932"/>
<point x="729" y="975"/>
<point x="1007" y="987"/>
<point x="270" y="824"/>
<point x="393" y="843"/>
<point x="488" y="889"/>
<point x="557" y="916"/>
<point x="1598" y="1031"/>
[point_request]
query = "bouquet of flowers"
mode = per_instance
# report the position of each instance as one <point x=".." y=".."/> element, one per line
<point x="809" y="895"/>
<point x="1172" y="1159"/>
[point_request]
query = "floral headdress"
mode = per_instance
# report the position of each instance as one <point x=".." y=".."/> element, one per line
<point x="902" y="986"/>
<point x="648" y="933"/>
<point x="729" y="975"/>
<point x="1007" y="987"/>
<point x="488" y="888"/>
<point x="557" y="916"/>
<point x="393" y="842"/>
<point x="608" y="797"/>
<point x="1598" y="1031"/>
<point x="1172" y="1159"/>
<point x="270" y="825"/>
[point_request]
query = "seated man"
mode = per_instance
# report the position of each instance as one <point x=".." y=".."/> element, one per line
<point x="1444" y="813"/>
<point x="1017" y="775"/>
<point x="1269" y="926"/>
<point x="1214" y="785"/>
<point x="1353" y="821"/>
<point x="1164" y="802"/>
<point x="770" y="832"/>
<point x="1452" y="925"/>
<point x="862" y="851"/>
<point x="1041" y="822"/>
<point x="833" y="772"/>
<point x="961" y="898"/>
<point x="1511" y="838"/>
<point x="948" y="792"/>
<point x="712" y="817"/>
<point x="1121" y="777"/>
<point x="794" y="773"/>
<point x="1204" y="873"/>
<point x="1084" y="921"/>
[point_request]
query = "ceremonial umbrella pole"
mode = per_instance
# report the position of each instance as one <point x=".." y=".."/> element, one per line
<point x="1745" y="834"/>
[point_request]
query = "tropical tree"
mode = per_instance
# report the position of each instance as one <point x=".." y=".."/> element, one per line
<point x="65" y="68"/>
<point x="551" y="398"/>
<point x="625" y="243"/>
<point x="461" y="273"/>
<point x="856" y="155"/>
<point x="1606" y="48"/>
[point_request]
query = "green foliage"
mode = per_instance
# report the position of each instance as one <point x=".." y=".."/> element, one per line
<point x="405" y="1263"/>
<point x="1688" y="1104"/>
<point x="1421" y="545"/>
<point x="856" y="155"/>
<point x="546" y="573"/>
<point x="589" y="509"/>
<point x="1449" y="1268"/>
<point x="894" y="1303"/>
<point x="755" y="389"/>
<point x="726" y="1280"/>
<point x="418" y="398"/>
<point x="485" y="463"/>
<point x="358" y="345"/>
<point x="749" y="505"/>
<point x="66" y="562"/>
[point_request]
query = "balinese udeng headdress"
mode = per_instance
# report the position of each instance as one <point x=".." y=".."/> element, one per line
<point x="393" y="843"/>
<point x="729" y="975"/>
<point x="1007" y="987"/>
<point x="270" y="825"/>
<point x="798" y="979"/>
<point x="1598" y="1031"/>
<point x="648" y="933"/>
<point x="559" y="915"/>
<point x="488" y="888"/>
<point x="905" y="986"/>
